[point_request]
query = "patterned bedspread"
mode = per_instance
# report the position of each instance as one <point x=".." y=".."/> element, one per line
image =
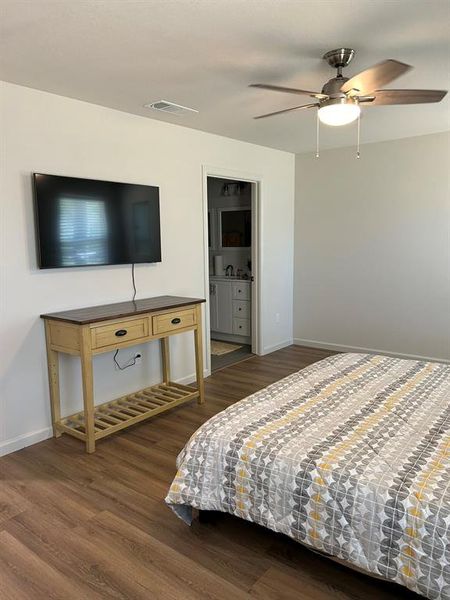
<point x="349" y="456"/>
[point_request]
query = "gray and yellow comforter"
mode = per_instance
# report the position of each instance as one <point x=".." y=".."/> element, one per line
<point x="350" y="456"/>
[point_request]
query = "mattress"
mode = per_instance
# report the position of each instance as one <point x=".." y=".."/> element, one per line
<point x="350" y="456"/>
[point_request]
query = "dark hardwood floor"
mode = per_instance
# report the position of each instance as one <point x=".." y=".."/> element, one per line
<point x="78" y="526"/>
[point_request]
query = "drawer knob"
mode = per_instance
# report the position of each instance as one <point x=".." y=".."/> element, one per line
<point x="240" y="326"/>
<point x="239" y="291"/>
<point x="176" y="321"/>
<point x="121" y="332"/>
<point x="240" y="308"/>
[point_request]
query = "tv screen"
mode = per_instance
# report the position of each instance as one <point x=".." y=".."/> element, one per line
<point x="86" y="222"/>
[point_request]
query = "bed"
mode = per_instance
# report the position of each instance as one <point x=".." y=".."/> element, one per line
<point x="349" y="456"/>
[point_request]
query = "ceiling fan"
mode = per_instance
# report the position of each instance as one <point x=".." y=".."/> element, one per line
<point x="339" y="101"/>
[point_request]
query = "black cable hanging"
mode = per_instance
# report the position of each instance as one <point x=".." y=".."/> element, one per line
<point x="134" y="282"/>
<point x="126" y="366"/>
<point x="133" y="360"/>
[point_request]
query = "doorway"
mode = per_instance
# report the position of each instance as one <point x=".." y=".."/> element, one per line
<point x="231" y="204"/>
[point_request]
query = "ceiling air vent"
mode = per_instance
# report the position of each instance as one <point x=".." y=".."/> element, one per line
<point x="170" y="107"/>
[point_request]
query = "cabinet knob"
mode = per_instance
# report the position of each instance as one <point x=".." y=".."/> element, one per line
<point x="239" y="291"/>
<point x="240" y="308"/>
<point x="176" y="321"/>
<point x="121" y="332"/>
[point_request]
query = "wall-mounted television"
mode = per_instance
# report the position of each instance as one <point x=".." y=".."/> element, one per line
<point x="86" y="222"/>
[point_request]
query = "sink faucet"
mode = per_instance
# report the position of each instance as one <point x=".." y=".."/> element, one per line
<point x="230" y="267"/>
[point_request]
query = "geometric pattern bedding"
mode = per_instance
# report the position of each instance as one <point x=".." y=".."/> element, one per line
<point x="350" y="456"/>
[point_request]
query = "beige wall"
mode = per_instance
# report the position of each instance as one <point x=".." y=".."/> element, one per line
<point x="51" y="134"/>
<point x="372" y="254"/>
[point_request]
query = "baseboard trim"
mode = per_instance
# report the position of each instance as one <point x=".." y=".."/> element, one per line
<point x="22" y="441"/>
<point x="341" y="348"/>
<point x="275" y="347"/>
<point x="191" y="378"/>
<point x="28" y="439"/>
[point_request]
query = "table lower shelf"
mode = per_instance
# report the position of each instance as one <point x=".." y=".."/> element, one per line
<point x="128" y="410"/>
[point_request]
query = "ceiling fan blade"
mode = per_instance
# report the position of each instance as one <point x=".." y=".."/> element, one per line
<point x="375" y="78"/>
<point x="286" y="90"/>
<point x="279" y="112"/>
<point x="386" y="97"/>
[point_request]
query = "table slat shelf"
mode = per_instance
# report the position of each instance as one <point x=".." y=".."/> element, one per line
<point x="128" y="410"/>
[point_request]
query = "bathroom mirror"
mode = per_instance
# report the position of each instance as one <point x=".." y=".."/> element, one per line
<point x="235" y="227"/>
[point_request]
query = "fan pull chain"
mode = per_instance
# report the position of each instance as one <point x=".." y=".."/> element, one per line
<point x="317" y="135"/>
<point x="358" y="155"/>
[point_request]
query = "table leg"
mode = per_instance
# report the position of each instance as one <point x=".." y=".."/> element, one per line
<point x="165" y="359"/>
<point x="198" y="341"/>
<point x="88" y="388"/>
<point x="53" y="382"/>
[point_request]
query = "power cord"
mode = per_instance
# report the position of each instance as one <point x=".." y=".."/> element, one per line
<point x="134" y="282"/>
<point x="131" y="364"/>
<point x="137" y="356"/>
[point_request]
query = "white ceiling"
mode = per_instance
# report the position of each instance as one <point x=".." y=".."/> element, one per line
<point x="204" y="53"/>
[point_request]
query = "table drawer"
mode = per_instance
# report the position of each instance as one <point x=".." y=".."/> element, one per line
<point x="241" y="327"/>
<point x="116" y="334"/>
<point x="173" y="321"/>
<point x="240" y="290"/>
<point x="241" y="309"/>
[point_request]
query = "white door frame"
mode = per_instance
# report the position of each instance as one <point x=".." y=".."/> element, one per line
<point x="257" y="182"/>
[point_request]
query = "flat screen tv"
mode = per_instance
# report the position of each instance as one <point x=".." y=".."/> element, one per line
<point x="86" y="222"/>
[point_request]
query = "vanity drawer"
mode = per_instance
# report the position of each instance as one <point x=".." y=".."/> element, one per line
<point x="241" y="309"/>
<point x="174" y="320"/>
<point x="116" y="334"/>
<point x="241" y="327"/>
<point x="240" y="291"/>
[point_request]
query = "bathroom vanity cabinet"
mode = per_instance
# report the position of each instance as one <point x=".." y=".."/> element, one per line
<point x="230" y="309"/>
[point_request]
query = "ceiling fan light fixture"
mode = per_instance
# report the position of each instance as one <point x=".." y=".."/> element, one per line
<point x="339" y="111"/>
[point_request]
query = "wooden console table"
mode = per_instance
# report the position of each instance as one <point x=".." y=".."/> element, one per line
<point x="88" y="331"/>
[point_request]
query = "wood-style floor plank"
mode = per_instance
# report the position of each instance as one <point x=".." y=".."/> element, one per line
<point x="83" y="526"/>
<point x="30" y="576"/>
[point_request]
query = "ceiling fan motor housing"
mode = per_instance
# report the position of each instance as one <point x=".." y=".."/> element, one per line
<point x="332" y="88"/>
